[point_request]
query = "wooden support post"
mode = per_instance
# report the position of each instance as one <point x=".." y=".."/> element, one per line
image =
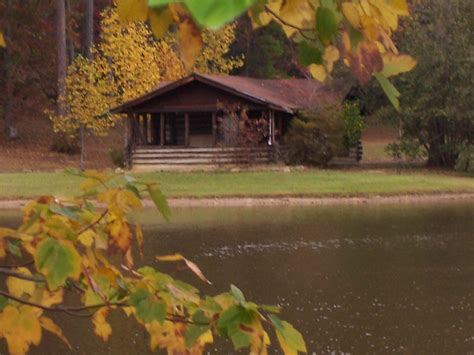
<point x="280" y="126"/>
<point x="127" y="140"/>
<point x="148" y="129"/>
<point x="214" y="129"/>
<point x="162" y="129"/>
<point x="271" y="140"/>
<point x="186" y="129"/>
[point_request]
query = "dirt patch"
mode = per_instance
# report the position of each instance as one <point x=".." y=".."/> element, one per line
<point x="288" y="201"/>
<point x="31" y="151"/>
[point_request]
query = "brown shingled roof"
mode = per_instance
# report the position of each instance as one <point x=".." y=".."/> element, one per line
<point x="287" y="95"/>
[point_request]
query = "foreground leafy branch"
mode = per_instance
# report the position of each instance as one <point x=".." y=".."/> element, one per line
<point x="73" y="242"/>
<point x="358" y="33"/>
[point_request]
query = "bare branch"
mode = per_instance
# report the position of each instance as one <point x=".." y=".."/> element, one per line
<point x="7" y="266"/>
<point x="9" y="272"/>
<point x="286" y="23"/>
<point x="92" y="225"/>
<point x="74" y="310"/>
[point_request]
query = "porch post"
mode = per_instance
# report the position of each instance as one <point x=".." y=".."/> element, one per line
<point x="271" y="141"/>
<point x="186" y="129"/>
<point x="280" y="126"/>
<point x="127" y="140"/>
<point x="214" y="129"/>
<point x="162" y="129"/>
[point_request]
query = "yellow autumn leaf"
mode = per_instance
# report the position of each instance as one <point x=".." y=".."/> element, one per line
<point x="298" y="13"/>
<point x="7" y="232"/>
<point x="160" y="21"/>
<point x="20" y="327"/>
<point x="2" y="40"/>
<point x="139" y="236"/>
<point x="97" y="175"/>
<point x="53" y="328"/>
<point x="206" y="338"/>
<point x="364" y="4"/>
<point x="87" y="238"/>
<point x="132" y="10"/>
<point x="3" y="251"/>
<point x="318" y="71"/>
<point x="351" y="13"/>
<point x="265" y="17"/>
<point x="49" y="298"/>
<point x="400" y="7"/>
<point x="17" y="287"/>
<point x="331" y="55"/>
<point x="396" y="64"/>
<point x="192" y="266"/>
<point x="89" y="184"/>
<point x="190" y="42"/>
<point x="101" y="327"/>
<point x="126" y="198"/>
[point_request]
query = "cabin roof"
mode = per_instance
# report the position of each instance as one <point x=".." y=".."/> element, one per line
<point x="287" y="95"/>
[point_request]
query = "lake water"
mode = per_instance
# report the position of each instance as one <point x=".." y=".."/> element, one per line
<point x="353" y="279"/>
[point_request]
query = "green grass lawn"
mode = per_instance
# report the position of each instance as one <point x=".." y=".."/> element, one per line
<point x="262" y="183"/>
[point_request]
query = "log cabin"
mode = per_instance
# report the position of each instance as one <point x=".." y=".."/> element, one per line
<point x="186" y="122"/>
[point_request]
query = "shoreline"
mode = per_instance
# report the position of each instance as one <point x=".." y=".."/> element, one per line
<point x="189" y="202"/>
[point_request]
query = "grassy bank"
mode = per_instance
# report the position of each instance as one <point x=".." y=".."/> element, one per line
<point x="314" y="183"/>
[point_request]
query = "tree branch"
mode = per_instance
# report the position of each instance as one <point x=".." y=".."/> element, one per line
<point x="74" y="310"/>
<point x="286" y="23"/>
<point x="8" y="272"/>
<point x="6" y="266"/>
<point x="92" y="225"/>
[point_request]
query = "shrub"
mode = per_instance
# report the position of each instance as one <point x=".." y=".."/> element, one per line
<point x="117" y="158"/>
<point x="316" y="136"/>
<point x="465" y="160"/>
<point x="405" y="149"/>
<point x="65" y="145"/>
<point x="353" y="123"/>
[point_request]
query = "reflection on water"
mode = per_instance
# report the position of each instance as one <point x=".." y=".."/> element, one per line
<point x="358" y="279"/>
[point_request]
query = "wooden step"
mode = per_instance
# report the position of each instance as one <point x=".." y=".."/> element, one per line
<point x="198" y="161"/>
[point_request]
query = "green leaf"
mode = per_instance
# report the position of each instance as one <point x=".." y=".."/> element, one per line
<point x="240" y="339"/>
<point x="391" y="91"/>
<point x="131" y="187"/>
<point x="3" y="302"/>
<point x="233" y="317"/>
<point x="65" y="211"/>
<point x="147" y="308"/>
<point x="288" y="336"/>
<point x="216" y="13"/>
<point x="355" y="36"/>
<point x="194" y="331"/>
<point x="237" y="293"/>
<point x="326" y="24"/>
<point x="153" y="3"/>
<point x="14" y="248"/>
<point x="309" y="54"/>
<point x="270" y="308"/>
<point x="57" y="260"/>
<point x="160" y="200"/>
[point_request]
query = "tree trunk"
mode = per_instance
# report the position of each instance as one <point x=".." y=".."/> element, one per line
<point x="61" y="56"/>
<point x="10" y="129"/>
<point x="87" y="42"/>
<point x="88" y="32"/>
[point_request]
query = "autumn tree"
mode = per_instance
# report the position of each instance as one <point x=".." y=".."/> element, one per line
<point x="127" y="62"/>
<point x="113" y="76"/>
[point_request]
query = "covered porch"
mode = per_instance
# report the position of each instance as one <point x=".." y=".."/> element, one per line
<point x="197" y="129"/>
<point x="213" y="119"/>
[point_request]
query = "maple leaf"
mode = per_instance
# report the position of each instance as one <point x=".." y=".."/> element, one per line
<point x="20" y="327"/>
